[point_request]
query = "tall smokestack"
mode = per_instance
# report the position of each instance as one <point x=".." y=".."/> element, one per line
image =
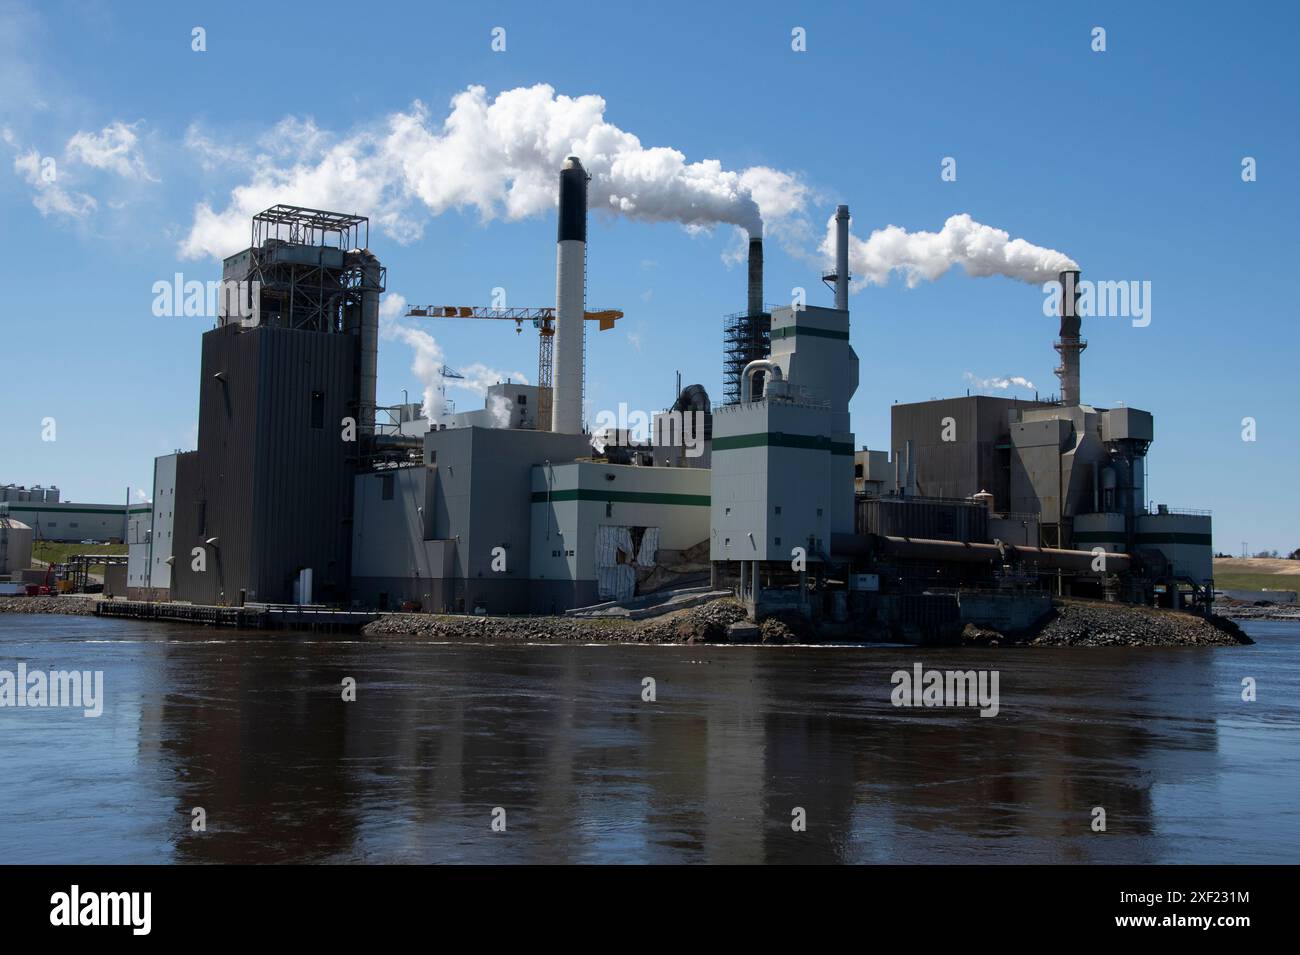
<point x="570" y="299"/>
<point x="1069" y="345"/>
<point x="842" y="258"/>
<point x="755" y="276"/>
<point x="372" y="286"/>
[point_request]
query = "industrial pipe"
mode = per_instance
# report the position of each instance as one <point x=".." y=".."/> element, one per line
<point x="772" y="369"/>
<point x="916" y="548"/>
<point x="367" y="397"/>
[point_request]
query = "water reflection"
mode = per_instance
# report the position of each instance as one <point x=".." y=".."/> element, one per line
<point x="254" y="730"/>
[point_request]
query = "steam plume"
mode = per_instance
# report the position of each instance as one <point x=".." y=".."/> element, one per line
<point x="980" y="249"/>
<point x="498" y="156"/>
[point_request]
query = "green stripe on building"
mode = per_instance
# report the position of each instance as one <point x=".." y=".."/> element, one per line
<point x="778" y="439"/>
<point x="1173" y="537"/>
<point x="621" y="497"/>
<point x="1164" y="537"/>
<point x="793" y="331"/>
<point x="57" y="508"/>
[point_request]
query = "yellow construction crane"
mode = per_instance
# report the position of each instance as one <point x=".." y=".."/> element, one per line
<point x="542" y="319"/>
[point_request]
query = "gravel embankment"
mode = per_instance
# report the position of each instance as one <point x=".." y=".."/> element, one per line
<point x="67" y="605"/>
<point x="1086" y="624"/>
<point x="703" y="624"/>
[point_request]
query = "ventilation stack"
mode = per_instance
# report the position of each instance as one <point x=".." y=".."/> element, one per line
<point x="1070" y="345"/>
<point x="570" y="298"/>
<point x="842" y="258"/>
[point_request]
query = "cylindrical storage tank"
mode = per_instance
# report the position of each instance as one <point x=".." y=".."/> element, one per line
<point x="1107" y="531"/>
<point x="51" y="495"/>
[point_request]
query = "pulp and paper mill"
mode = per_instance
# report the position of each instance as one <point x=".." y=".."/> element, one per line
<point x="980" y="508"/>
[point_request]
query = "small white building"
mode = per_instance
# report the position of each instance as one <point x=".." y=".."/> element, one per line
<point x="506" y="405"/>
<point x="149" y="536"/>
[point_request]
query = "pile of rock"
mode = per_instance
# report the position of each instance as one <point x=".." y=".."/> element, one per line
<point x="706" y="623"/>
<point x="50" y="604"/>
<point x="1088" y="624"/>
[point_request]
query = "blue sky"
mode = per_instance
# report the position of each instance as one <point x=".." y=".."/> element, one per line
<point x="1128" y="161"/>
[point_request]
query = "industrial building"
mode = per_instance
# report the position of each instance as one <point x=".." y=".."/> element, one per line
<point x="51" y="519"/>
<point x="1075" y="472"/>
<point x="303" y="489"/>
<point x="286" y="416"/>
<point x="149" y="536"/>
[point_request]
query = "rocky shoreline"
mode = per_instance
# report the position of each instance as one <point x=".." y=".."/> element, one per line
<point x="1088" y="624"/>
<point x="1072" y="623"/>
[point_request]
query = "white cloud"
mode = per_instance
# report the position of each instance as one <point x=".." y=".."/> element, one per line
<point x="115" y="148"/>
<point x="51" y="198"/>
<point x="998" y="382"/>
<point x="479" y="377"/>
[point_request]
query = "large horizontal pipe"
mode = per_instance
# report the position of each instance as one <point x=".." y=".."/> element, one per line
<point x="917" y="548"/>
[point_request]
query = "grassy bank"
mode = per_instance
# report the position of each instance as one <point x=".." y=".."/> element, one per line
<point x="1256" y="573"/>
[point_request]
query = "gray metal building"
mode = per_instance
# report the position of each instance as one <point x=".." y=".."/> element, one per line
<point x="286" y="413"/>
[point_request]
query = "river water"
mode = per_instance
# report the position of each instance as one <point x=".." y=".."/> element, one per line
<point x="252" y="728"/>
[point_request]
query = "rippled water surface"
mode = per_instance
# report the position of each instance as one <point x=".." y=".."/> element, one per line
<point x="252" y="728"/>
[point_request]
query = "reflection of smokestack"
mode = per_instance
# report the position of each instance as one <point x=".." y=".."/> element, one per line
<point x="842" y="258"/>
<point x="755" y="276"/>
<point x="570" y="299"/>
<point x="1069" y="345"/>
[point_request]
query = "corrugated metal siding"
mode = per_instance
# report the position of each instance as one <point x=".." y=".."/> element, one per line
<point x="275" y="491"/>
<point x="916" y="517"/>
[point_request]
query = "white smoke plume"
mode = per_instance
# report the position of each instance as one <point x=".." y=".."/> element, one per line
<point x="498" y="409"/>
<point x="501" y="157"/>
<point x="478" y="377"/>
<point x="426" y="364"/>
<point x="981" y="250"/>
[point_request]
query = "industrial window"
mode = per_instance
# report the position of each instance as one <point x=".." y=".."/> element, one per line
<point x="776" y="542"/>
<point x="387" y="484"/>
<point x="819" y="512"/>
<point x="52" y="524"/>
<point x="776" y="510"/>
<point x="318" y="410"/>
<point x="523" y="399"/>
<point x="74" y="524"/>
<point x="857" y="470"/>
